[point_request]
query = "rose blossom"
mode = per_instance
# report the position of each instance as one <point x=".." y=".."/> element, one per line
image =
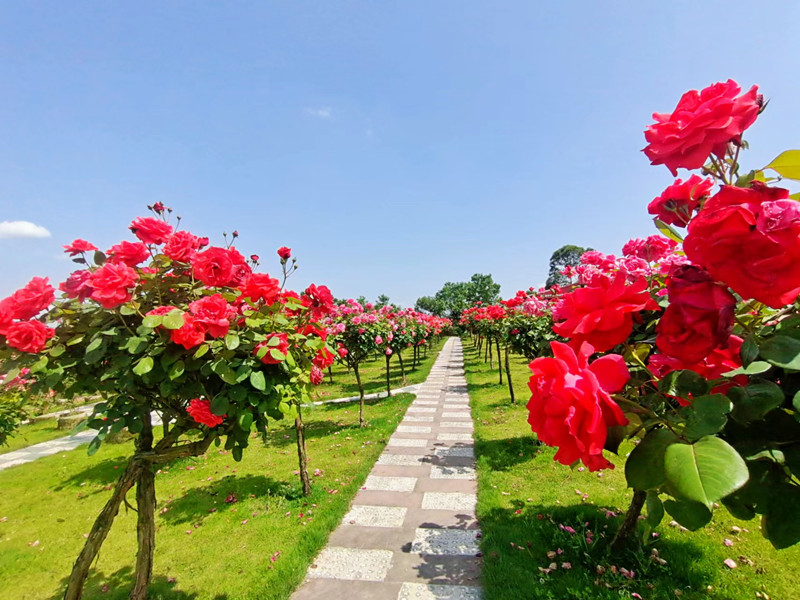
<point x="32" y="299"/>
<point x="151" y="230"/>
<point x="702" y="124"/>
<point x="241" y="270"/>
<point x="316" y="375"/>
<point x="699" y="317"/>
<point x="749" y="238"/>
<point x="677" y="203"/>
<point x="214" y="314"/>
<point x="260" y="286"/>
<point x="652" y="249"/>
<point x="319" y="299"/>
<point x="111" y="284"/>
<point x="28" y="336"/>
<point x="6" y="314"/>
<point x="79" y="246"/>
<point x="214" y="267"/>
<point x="324" y="358"/>
<point x="285" y="253"/>
<point x="283" y="346"/>
<point x="77" y="285"/>
<point x="200" y="411"/>
<point x="602" y="314"/>
<point x="181" y="246"/>
<point x="128" y="253"/>
<point x="570" y="406"/>
<point x="190" y="335"/>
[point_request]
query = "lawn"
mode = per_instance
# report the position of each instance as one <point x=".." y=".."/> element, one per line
<point x="524" y="497"/>
<point x="33" y="433"/>
<point x="226" y="530"/>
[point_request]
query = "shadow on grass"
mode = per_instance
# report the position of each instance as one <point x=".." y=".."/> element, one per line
<point x="118" y="585"/>
<point x="199" y="503"/>
<point x="504" y="454"/>
<point x="515" y="548"/>
<point x="105" y="472"/>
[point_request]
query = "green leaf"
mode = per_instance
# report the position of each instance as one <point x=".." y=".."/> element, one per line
<point x="12" y="374"/>
<point x="76" y="340"/>
<point x="232" y="341"/>
<point x="220" y="405"/>
<point x="655" y="509"/>
<point x="143" y="366"/>
<point x="245" y="420"/>
<point x="39" y="365"/>
<point x="692" y="515"/>
<point x="749" y="350"/>
<point x="668" y="231"/>
<point x="751" y="403"/>
<point x="782" y="351"/>
<point x="236" y="451"/>
<point x="754" y="368"/>
<point x="706" y="415"/>
<point x="705" y="471"/>
<point x="684" y="384"/>
<point x="137" y="345"/>
<point x="781" y="522"/>
<point x="277" y="355"/>
<point x="644" y="469"/>
<point x="173" y="319"/>
<point x="94" y="446"/>
<point x="177" y="369"/>
<point x="126" y="310"/>
<point x="94" y="345"/>
<point x="258" y="381"/>
<point x="57" y="350"/>
<point x="787" y="164"/>
<point x="201" y="351"/>
<point x="152" y="321"/>
<point x="99" y="258"/>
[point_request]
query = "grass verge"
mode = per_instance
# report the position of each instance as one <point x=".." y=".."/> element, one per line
<point x="225" y="530"/>
<point x="525" y="497"/>
<point x="33" y="433"/>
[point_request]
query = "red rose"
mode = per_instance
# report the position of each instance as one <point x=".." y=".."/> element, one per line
<point x="79" y="247"/>
<point x="570" y="406"/>
<point x="151" y="230"/>
<point x="190" y="335"/>
<point x="111" y="284"/>
<point x="241" y="270"/>
<point x="652" y="249"/>
<point x="29" y="336"/>
<point x="285" y="253"/>
<point x="602" y="314"/>
<point x="677" y="203"/>
<point x="6" y="314"/>
<point x="703" y="123"/>
<point x="319" y="299"/>
<point x="316" y="375"/>
<point x="750" y="240"/>
<point x="214" y="267"/>
<point x="77" y="285"/>
<point x="324" y="358"/>
<point x="29" y="301"/>
<point x="260" y="286"/>
<point x="214" y="314"/>
<point x="200" y="411"/>
<point x="283" y="346"/>
<point x="309" y="330"/>
<point x="699" y="317"/>
<point x="128" y="253"/>
<point x="181" y="246"/>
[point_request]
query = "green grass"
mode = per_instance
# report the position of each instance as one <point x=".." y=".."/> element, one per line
<point x="524" y="495"/>
<point x="256" y="548"/>
<point x="33" y="433"/>
<point x="373" y="374"/>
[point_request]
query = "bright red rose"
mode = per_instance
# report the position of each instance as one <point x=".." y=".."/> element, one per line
<point x="319" y="299"/>
<point x="32" y="299"/>
<point x="181" y="246"/>
<point x="677" y="203"/>
<point x="749" y="238"/>
<point x="283" y="346"/>
<point x="214" y="314"/>
<point x="29" y="336"/>
<point x="324" y="358"/>
<point x="311" y="330"/>
<point x="214" y="267"/>
<point x="111" y="284"/>
<point x="699" y="317"/>
<point x="79" y="246"/>
<point x="128" y="253"/>
<point x="77" y="285"/>
<point x="285" y="253"/>
<point x="6" y="314"/>
<point x="260" y="286"/>
<point x="161" y="310"/>
<point x="200" y="411"/>
<point x="151" y="230"/>
<point x="703" y="123"/>
<point x="316" y="375"/>
<point x="571" y="406"/>
<point x="190" y="335"/>
<point x="241" y="270"/>
<point x="602" y="314"/>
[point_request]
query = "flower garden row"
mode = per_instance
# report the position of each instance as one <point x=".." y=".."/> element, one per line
<point x="168" y="323"/>
<point x="688" y="345"/>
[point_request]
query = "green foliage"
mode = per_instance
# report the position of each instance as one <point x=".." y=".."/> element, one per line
<point x="567" y="255"/>
<point x="453" y="298"/>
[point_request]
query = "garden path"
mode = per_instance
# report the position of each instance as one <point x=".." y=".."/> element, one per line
<point x="411" y="532"/>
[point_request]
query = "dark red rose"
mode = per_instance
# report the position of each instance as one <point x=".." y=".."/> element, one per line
<point x="285" y="253"/>
<point x="677" y="203"/>
<point x="749" y="238"/>
<point x="128" y="253"/>
<point x="571" y="406"/>
<point x="29" y="336"/>
<point x="77" y="285"/>
<point x="111" y="284"/>
<point x="702" y="124"/>
<point x="32" y="299"/>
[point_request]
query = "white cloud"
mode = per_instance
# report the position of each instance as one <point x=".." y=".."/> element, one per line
<point x="22" y="229"/>
<point x="324" y="112"/>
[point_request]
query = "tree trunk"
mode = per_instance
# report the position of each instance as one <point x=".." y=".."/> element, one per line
<point x="499" y="364"/>
<point x="300" y="428"/>
<point x="489" y="347"/>
<point x="146" y="518"/>
<point x="330" y="375"/>
<point x="402" y="366"/>
<point x="388" y="383"/>
<point x="508" y="378"/>
<point x="631" y="519"/>
<point x="361" y="396"/>
<point x="100" y="529"/>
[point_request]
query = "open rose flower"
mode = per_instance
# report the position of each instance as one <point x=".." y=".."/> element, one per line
<point x="214" y="314"/>
<point x="699" y="317"/>
<point x="241" y="271"/>
<point x="214" y="267"/>
<point x="32" y="299"/>
<point x="181" y="246"/>
<point x="77" y="285"/>
<point x="6" y="314"/>
<point x="749" y="238"/>
<point x="191" y="335"/>
<point x="200" y="411"/>
<point x="29" y="336"/>
<point x="319" y="299"/>
<point x="151" y="230"/>
<point x="79" y="246"/>
<point x="128" y="253"/>
<point x="651" y="249"/>
<point x="602" y="314"/>
<point x="677" y="203"/>
<point x="702" y="124"/>
<point x="571" y="406"/>
<point x="260" y="286"/>
<point x="111" y="284"/>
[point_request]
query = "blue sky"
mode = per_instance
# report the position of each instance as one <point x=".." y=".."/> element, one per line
<point x="393" y="145"/>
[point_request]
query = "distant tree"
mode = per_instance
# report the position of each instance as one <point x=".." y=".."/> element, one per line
<point x="428" y="304"/>
<point x="381" y="301"/>
<point x="482" y="288"/>
<point x="456" y="296"/>
<point x="568" y="255"/>
<point x="362" y="300"/>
